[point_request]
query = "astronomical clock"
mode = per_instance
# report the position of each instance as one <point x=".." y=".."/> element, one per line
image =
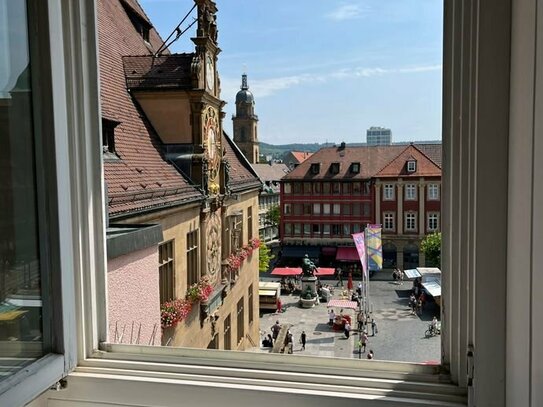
<point x="213" y="148"/>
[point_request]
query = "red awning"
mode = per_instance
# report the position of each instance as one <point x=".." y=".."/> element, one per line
<point x="325" y="271"/>
<point x="347" y="254"/>
<point x="329" y="251"/>
<point x="342" y="304"/>
<point x="286" y="271"/>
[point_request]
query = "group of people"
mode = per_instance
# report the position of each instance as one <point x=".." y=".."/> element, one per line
<point x="417" y="299"/>
<point x="288" y="344"/>
<point x="398" y="275"/>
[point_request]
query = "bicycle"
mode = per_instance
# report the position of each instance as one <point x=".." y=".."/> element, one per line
<point x="431" y="331"/>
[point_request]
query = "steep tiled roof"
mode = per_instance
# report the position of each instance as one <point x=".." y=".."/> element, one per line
<point x="271" y="172"/>
<point x="301" y="156"/>
<point x="165" y="71"/>
<point x="398" y="168"/>
<point x="241" y="175"/>
<point x="432" y="151"/>
<point x="372" y="159"/>
<point x="141" y="178"/>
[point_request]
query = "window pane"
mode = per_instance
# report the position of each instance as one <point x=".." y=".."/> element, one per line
<point x="22" y="279"/>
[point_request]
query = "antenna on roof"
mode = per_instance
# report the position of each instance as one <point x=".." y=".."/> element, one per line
<point x="177" y="31"/>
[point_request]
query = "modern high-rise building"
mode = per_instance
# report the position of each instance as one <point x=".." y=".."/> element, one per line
<point x="378" y="136"/>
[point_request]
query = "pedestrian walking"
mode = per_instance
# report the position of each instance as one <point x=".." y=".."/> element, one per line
<point x="373" y="327"/>
<point x="279" y="305"/>
<point x="339" y="277"/>
<point x="370" y="354"/>
<point x="347" y="330"/>
<point x="359" y="289"/>
<point x="331" y="317"/>
<point x="303" y="339"/>
<point x="400" y="273"/>
<point x="275" y="330"/>
<point x="360" y="321"/>
<point x="359" y="344"/>
<point x="364" y="341"/>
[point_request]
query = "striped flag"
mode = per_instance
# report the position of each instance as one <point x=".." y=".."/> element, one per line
<point x="361" y="248"/>
<point x="374" y="247"/>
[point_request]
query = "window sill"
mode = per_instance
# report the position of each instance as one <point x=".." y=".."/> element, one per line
<point x="345" y="379"/>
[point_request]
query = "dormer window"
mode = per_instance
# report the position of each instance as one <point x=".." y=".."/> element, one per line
<point x="108" y="137"/>
<point x="141" y="25"/>
<point x="355" y="168"/>
<point x="411" y="166"/>
<point x="315" y="168"/>
<point x="334" y="168"/>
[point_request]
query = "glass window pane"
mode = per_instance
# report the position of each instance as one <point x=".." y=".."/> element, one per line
<point x="22" y="285"/>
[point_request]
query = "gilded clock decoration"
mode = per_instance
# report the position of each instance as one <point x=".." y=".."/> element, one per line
<point x="210" y="74"/>
<point x="213" y="244"/>
<point x="212" y="144"/>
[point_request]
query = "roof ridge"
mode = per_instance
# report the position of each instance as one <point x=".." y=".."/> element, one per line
<point x="426" y="155"/>
<point x="393" y="159"/>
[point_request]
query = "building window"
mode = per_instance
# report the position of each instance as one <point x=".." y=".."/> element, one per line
<point x="166" y="271"/>
<point x="410" y="192"/>
<point x="249" y="223"/>
<point x="334" y="168"/>
<point x="297" y="187"/>
<point x="356" y="188"/>
<point x="326" y="230"/>
<point x="317" y="188"/>
<point x="315" y="168"/>
<point x="316" y="209"/>
<point x="297" y="229"/>
<point x="356" y="209"/>
<point x="298" y="209"/>
<point x="433" y="192"/>
<point x="355" y="168"/>
<point x="287" y="209"/>
<point x="337" y="209"/>
<point x="326" y="209"/>
<point x="307" y="229"/>
<point x="288" y="229"/>
<point x="251" y="305"/>
<point x="227" y="333"/>
<point x="192" y="258"/>
<point x="336" y="188"/>
<point x="346" y="229"/>
<point x="356" y="228"/>
<point x="307" y="209"/>
<point x="140" y="24"/>
<point x="316" y="229"/>
<point x="241" y="317"/>
<point x="287" y="188"/>
<point x="326" y="188"/>
<point x="336" y="230"/>
<point x="388" y="221"/>
<point x="388" y="192"/>
<point x="433" y="221"/>
<point x="346" y="209"/>
<point x="366" y="209"/>
<point x="411" y="166"/>
<point x="367" y="188"/>
<point x="411" y="222"/>
<point x="307" y="188"/>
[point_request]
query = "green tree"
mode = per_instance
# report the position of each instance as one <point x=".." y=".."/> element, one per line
<point x="273" y="215"/>
<point x="264" y="257"/>
<point x="431" y="247"/>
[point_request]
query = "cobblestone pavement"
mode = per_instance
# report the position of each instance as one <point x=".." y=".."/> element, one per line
<point x="400" y="335"/>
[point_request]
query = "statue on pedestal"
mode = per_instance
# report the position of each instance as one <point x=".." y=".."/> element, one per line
<point x="308" y="267"/>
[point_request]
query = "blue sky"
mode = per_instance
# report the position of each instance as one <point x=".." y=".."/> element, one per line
<point x="326" y="70"/>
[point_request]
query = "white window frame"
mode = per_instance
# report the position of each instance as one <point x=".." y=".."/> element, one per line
<point x="408" y="217"/>
<point x="316" y="209"/>
<point x="430" y="218"/>
<point x="326" y="209"/>
<point x="410" y="192"/>
<point x="389" y="217"/>
<point x="433" y="192"/>
<point x="388" y="192"/>
<point x="140" y="373"/>
<point x="411" y="166"/>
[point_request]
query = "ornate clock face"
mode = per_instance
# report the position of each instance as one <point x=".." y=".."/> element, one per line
<point x="213" y="245"/>
<point x="210" y="74"/>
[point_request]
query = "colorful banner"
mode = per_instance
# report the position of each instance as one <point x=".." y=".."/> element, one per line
<point x="374" y="247"/>
<point x="360" y="244"/>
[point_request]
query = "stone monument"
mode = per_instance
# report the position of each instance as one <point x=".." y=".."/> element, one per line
<point x="308" y="295"/>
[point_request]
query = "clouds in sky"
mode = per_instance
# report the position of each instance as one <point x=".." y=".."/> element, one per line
<point x="347" y="12"/>
<point x="267" y="87"/>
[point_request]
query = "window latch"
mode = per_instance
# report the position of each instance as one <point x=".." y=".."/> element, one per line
<point x="470" y="366"/>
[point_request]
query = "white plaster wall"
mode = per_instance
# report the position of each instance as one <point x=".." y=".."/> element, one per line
<point x="134" y="297"/>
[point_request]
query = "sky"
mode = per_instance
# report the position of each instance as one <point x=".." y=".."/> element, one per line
<point x="326" y="70"/>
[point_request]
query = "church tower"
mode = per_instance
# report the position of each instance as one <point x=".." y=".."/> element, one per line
<point x="245" y="123"/>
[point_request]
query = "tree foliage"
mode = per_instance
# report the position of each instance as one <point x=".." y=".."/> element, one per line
<point x="264" y="257"/>
<point x="273" y="215"/>
<point x="431" y="247"/>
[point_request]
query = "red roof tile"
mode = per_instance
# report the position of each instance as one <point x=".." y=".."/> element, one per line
<point x="141" y="178"/>
<point x="301" y="156"/>
<point x="241" y="175"/>
<point x="398" y="166"/>
<point x="165" y="71"/>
